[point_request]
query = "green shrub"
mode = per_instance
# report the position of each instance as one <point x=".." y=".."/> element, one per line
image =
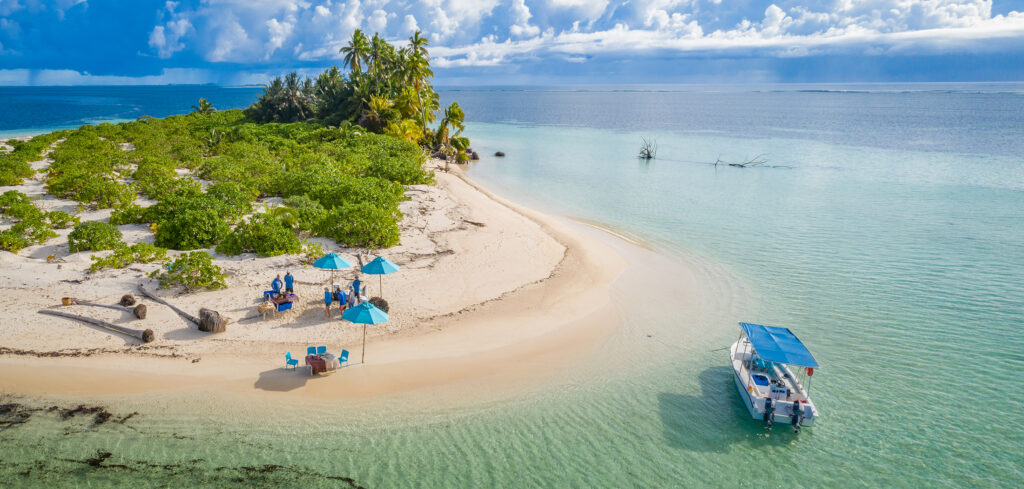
<point x="308" y="212"/>
<point x="360" y="225"/>
<point x="311" y="252"/>
<point x="191" y="229"/>
<point x="61" y="219"/>
<point x="17" y="205"/>
<point x="129" y="214"/>
<point x="193" y="271"/>
<point x="126" y="255"/>
<point x="35" y="229"/>
<point x="236" y="198"/>
<point x="94" y="235"/>
<point x="263" y="235"/>
<point x="13" y="241"/>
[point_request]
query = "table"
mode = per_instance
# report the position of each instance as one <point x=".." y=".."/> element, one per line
<point x="323" y="363"/>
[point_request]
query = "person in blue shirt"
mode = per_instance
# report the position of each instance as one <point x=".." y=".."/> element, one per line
<point x="327" y="303"/>
<point x="355" y="285"/>
<point x="289" y="283"/>
<point x="276" y="285"/>
<point x="342" y="301"/>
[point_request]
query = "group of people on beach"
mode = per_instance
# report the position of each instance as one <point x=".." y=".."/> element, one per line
<point x="288" y="285"/>
<point x="346" y="298"/>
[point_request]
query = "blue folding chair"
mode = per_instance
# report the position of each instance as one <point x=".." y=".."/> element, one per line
<point x="343" y="358"/>
<point x="310" y="350"/>
<point x="320" y="350"/>
<point x="289" y="361"/>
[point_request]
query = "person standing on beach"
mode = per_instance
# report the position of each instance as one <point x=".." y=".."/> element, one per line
<point x="327" y="303"/>
<point x="276" y="285"/>
<point x="355" y="286"/>
<point x="342" y="301"/>
<point x="289" y="283"/>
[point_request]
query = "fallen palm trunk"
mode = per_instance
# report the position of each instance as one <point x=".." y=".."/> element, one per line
<point x="139" y="311"/>
<point x="145" y="336"/>
<point x="209" y="320"/>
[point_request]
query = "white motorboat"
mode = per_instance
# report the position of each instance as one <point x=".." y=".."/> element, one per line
<point x="773" y="372"/>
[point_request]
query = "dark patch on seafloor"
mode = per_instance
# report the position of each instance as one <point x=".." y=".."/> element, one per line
<point x="104" y="464"/>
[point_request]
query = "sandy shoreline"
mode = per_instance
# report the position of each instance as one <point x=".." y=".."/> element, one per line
<point x="488" y="289"/>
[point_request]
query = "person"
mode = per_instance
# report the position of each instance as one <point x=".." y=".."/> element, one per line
<point x="342" y="301"/>
<point x="327" y="303"/>
<point x="289" y="283"/>
<point x="353" y="298"/>
<point x="276" y="285"/>
<point x="355" y="286"/>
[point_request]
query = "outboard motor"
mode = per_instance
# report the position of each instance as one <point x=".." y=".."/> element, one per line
<point x="798" y="416"/>
<point x="769" y="413"/>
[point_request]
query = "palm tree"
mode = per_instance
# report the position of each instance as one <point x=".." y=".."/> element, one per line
<point x="357" y="51"/>
<point x="204" y="107"/>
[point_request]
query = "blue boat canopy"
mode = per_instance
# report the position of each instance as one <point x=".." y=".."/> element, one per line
<point x="778" y="345"/>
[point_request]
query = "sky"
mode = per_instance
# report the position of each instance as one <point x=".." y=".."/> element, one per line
<point x="517" y="42"/>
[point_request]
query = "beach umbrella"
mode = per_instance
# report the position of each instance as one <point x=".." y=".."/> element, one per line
<point x="331" y="261"/>
<point x="380" y="266"/>
<point x="364" y="313"/>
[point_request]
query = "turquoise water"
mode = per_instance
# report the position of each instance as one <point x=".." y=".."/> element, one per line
<point x="896" y="254"/>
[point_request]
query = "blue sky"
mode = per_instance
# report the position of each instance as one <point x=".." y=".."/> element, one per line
<point x="492" y="42"/>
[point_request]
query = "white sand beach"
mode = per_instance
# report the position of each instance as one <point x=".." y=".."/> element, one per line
<point x="484" y="284"/>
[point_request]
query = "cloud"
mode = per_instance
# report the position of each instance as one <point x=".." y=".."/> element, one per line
<point x="521" y="20"/>
<point x="279" y="32"/>
<point x="231" y="39"/>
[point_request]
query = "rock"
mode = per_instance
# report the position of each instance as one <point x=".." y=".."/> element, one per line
<point x="211" y="321"/>
<point x="474" y="155"/>
<point x="499" y="153"/>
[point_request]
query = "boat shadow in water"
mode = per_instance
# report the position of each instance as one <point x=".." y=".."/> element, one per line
<point x="716" y="419"/>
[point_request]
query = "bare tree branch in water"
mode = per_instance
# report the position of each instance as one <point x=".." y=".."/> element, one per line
<point x="649" y="149"/>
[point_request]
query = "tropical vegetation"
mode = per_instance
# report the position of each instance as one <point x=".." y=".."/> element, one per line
<point x="94" y="235"/>
<point x="386" y="90"/>
<point x="193" y="271"/>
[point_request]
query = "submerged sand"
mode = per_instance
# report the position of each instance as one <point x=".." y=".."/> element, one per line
<point x="485" y="285"/>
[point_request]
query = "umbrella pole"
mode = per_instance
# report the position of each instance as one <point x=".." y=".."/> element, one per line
<point x="381" y="288"/>
<point x="363" y="360"/>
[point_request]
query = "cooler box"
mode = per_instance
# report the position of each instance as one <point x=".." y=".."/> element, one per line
<point x="284" y="307"/>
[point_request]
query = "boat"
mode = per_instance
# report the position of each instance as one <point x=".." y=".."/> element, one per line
<point x="773" y="371"/>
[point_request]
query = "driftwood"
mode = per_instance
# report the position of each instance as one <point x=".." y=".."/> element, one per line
<point x="145" y="336"/>
<point x="139" y="310"/>
<point x="209" y="320"/>
<point x="649" y="149"/>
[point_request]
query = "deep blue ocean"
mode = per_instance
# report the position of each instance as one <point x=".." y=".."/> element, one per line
<point x="885" y="227"/>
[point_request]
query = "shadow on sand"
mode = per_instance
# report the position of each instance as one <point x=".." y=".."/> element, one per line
<point x="282" y="380"/>
<point x="715" y="420"/>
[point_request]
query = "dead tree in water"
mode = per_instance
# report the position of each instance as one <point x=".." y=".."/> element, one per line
<point x="755" y="161"/>
<point x="649" y="149"/>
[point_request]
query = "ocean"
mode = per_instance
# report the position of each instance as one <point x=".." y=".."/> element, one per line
<point x="884" y="225"/>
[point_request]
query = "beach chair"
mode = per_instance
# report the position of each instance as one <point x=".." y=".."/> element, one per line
<point x="343" y="358"/>
<point x="320" y="350"/>
<point x="310" y="350"/>
<point x="289" y="361"/>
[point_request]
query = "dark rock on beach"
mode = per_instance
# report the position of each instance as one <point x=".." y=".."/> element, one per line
<point x="499" y="153"/>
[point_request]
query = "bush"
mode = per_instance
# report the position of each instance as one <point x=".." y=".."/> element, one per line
<point x="193" y="271"/>
<point x="35" y="229"/>
<point x="263" y="235"/>
<point x="191" y="229"/>
<point x="308" y="212"/>
<point x="128" y="214"/>
<point x="235" y="198"/>
<point x="13" y="241"/>
<point x="126" y="255"/>
<point x="94" y="235"/>
<point x="360" y="225"/>
<point x="61" y="219"/>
